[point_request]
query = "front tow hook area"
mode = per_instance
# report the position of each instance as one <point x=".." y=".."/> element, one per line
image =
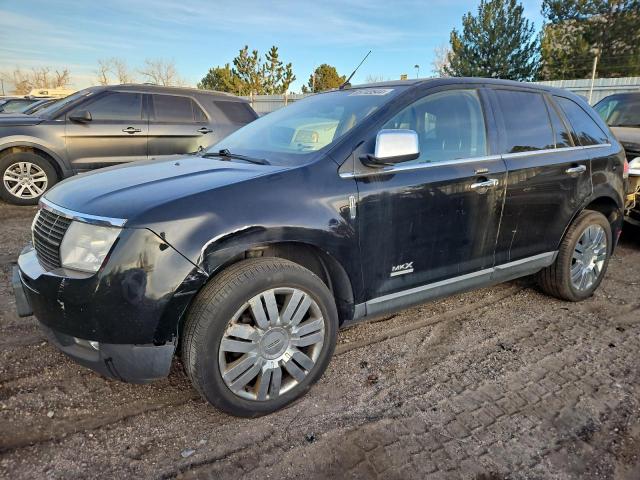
<point x="23" y="307"/>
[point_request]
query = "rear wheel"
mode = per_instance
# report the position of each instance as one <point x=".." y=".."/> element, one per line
<point x="25" y="177"/>
<point x="259" y="335"/>
<point x="582" y="259"/>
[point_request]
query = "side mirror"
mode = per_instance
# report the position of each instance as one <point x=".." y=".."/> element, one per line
<point x="634" y="167"/>
<point x="81" y="116"/>
<point x="394" y="146"/>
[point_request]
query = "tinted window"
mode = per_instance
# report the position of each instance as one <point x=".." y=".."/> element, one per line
<point x="560" y="130"/>
<point x="171" y="108"/>
<point x="234" y="112"/>
<point x="116" y="106"/>
<point x="585" y="130"/>
<point x="450" y="126"/>
<point x="620" y="110"/>
<point x="526" y="121"/>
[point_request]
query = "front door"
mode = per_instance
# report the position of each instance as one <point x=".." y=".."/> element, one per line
<point x="429" y="226"/>
<point x="116" y="133"/>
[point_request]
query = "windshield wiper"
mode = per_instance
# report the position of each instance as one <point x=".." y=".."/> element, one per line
<point x="227" y="155"/>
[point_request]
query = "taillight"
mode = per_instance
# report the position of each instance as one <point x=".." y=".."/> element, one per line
<point x="625" y="170"/>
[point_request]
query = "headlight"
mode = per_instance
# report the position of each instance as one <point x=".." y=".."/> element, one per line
<point x="85" y="246"/>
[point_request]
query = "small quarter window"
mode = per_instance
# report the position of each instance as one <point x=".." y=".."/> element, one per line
<point x="526" y="121"/>
<point x="562" y="133"/>
<point x="585" y="130"/>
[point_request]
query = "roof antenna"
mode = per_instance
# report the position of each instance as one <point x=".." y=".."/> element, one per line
<point x="346" y="83"/>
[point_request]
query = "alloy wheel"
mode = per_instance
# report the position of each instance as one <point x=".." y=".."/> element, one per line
<point x="25" y="180"/>
<point x="588" y="258"/>
<point x="271" y="343"/>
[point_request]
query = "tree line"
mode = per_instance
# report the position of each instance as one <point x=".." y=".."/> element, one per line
<point x="499" y="41"/>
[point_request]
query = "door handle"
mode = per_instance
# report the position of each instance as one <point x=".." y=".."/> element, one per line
<point x="131" y="130"/>
<point x="204" y="130"/>
<point x="574" y="170"/>
<point x="482" y="187"/>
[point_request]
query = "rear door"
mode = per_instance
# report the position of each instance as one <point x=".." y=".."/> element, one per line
<point x="117" y="132"/>
<point x="548" y="175"/>
<point x="177" y="124"/>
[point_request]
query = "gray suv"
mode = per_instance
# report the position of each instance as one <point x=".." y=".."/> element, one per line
<point x="108" y="125"/>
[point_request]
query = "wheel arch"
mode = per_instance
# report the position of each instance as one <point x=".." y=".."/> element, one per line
<point x="44" y="152"/>
<point x="609" y="207"/>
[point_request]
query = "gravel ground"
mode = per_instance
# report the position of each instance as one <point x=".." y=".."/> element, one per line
<point x="499" y="383"/>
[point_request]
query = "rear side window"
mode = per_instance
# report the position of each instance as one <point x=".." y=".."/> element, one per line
<point x="116" y="106"/>
<point x="526" y="121"/>
<point x="176" y="109"/>
<point x="233" y="112"/>
<point x="585" y="130"/>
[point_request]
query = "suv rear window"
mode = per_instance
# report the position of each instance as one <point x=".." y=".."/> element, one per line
<point x="233" y="112"/>
<point x="585" y="130"/>
<point x="176" y="109"/>
<point x="526" y="121"/>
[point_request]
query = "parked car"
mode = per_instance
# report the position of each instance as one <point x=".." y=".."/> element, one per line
<point x="39" y="105"/>
<point x="622" y="113"/>
<point x="102" y="126"/>
<point x="15" y="105"/>
<point x="248" y="258"/>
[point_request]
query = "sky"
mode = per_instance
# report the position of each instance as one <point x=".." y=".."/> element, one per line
<point x="199" y="34"/>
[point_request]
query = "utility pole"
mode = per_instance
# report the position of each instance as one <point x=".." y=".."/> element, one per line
<point x="417" y="67"/>
<point x="2" y="83"/>
<point x="593" y="74"/>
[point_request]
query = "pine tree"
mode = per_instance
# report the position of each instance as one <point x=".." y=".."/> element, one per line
<point x="576" y="31"/>
<point x="325" y="77"/>
<point x="498" y="42"/>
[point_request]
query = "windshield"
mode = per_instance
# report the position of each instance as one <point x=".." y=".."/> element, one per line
<point x="620" y="111"/>
<point x="294" y="132"/>
<point x="52" y="110"/>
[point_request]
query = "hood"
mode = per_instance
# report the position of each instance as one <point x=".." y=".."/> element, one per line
<point x="18" y="119"/>
<point x="629" y="137"/>
<point x="127" y="191"/>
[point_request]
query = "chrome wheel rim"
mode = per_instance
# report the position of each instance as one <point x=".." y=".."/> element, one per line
<point x="588" y="258"/>
<point x="271" y="344"/>
<point x="25" y="180"/>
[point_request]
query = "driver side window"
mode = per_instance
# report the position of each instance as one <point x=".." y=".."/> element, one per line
<point x="450" y="126"/>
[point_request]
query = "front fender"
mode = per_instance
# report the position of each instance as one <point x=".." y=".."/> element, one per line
<point x="39" y="144"/>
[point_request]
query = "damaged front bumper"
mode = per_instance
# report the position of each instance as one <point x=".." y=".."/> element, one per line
<point x="122" y="321"/>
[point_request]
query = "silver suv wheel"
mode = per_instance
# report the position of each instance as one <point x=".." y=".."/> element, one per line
<point x="271" y="344"/>
<point x="588" y="258"/>
<point x="25" y="180"/>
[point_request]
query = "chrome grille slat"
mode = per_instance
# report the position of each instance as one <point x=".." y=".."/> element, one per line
<point x="48" y="231"/>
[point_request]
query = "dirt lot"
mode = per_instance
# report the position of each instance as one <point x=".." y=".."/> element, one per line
<point x="498" y="383"/>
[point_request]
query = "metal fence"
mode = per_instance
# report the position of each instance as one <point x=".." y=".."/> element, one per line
<point x="602" y="87"/>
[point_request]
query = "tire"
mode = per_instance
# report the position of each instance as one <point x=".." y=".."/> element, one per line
<point x="33" y="169"/>
<point x="556" y="280"/>
<point x="214" y="318"/>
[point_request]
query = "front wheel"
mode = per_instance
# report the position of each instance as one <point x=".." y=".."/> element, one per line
<point x="25" y="177"/>
<point x="259" y="335"/>
<point x="582" y="259"/>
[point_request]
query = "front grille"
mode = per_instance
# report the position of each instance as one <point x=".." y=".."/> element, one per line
<point x="48" y="230"/>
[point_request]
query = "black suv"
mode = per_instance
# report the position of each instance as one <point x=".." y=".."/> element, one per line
<point x="346" y="205"/>
<point x="102" y="126"/>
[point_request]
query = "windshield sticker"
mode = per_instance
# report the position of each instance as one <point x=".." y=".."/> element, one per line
<point x="372" y="91"/>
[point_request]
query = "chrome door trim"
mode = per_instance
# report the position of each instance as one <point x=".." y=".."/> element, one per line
<point x="420" y="166"/>
<point x="81" y="217"/>
<point x="482" y="278"/>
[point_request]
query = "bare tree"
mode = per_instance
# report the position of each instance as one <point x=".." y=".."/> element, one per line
<point x="374" y="78"/>
<point x="441" y="60"/>
<point x="161" y="72"/>
<point x="113" y="70"/>
<point x="40" y="77"/>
